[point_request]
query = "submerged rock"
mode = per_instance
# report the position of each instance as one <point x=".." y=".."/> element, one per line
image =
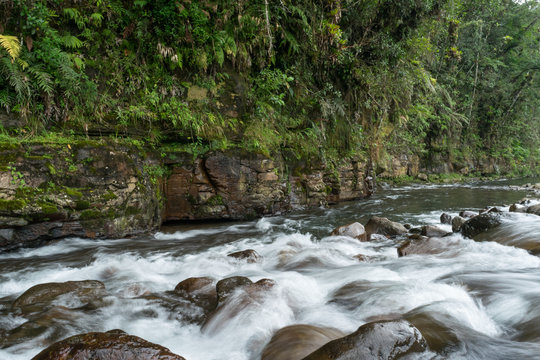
<point x="354" y="230"/>
<point x="297" y="341"/>
<point x="111" y="345"/>
<point x="383" y="226"/>
<point x="81" y="293"/>
<point x="480" y="224"/>
<point x="251" y="256"/>
<point x="376" y="340"/>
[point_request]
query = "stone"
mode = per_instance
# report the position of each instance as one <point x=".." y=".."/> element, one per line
<point x="422" y="177"/>
<point x="201" y="292"/>
<point x="111" y="345"/>
<point x="467" y="214"/>
<point x="42" y="295"/>
<point x="446" y="219"/>
<point x="297" y="341"/>
<point x="383" y="226"/>
<point x="480" y="224"/>
<point x="354" y="230"/>
<point x="534" y="209"/>
<point x="250" y="256"/>
<point x="376" y="340"/>
<point x="518" y="208"/>
<point x="457" y="223"/>
<point x="227" y="286"/>
<point x="432" y="245"/>
<point x="430" y="231"/>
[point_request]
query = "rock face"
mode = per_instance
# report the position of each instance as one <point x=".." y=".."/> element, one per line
<point x="111" y="345"/>
<point x="354" y="230"/>
<point x="377" y="340"/>
<point x="383" y="226"/>
<point x="297" y="341"/>
<point x="480" y="224"/>
<point x="85" y="189"/>
<point x="240" y="185"/>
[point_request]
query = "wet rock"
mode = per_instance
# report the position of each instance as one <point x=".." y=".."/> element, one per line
<point x="111" y="345"/>
<point x="430" y="231"/>
<point x="457" y="223"/>
<point x="467" y="214"/>
<point x="354" y="230"/>
<point x="200" y="291"/>
<point x="432" y="245"/>
<point x="383" y="226"/>
<point x="438" y="335"/>
<point x="376" y="340"/>
<point x="415" y="231"/>
<point x="78" y="293"/>
<point x="534" y="209"/>
<point x="251" y="256"/>
<point x="480" y="224"/>
<point x="297" y="341"/>
<point x="227" y="286"/>
<point x="518" y="208"/>
<point x="446" y="219"/>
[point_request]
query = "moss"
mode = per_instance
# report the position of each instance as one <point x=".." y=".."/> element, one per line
<point x="82" y="204"/>
<point x="74" y="193"/>
<point x="51" y="168"/>
<point x="11" y="205"/>
<point x="109" y="196"/>
<point x="90" y="214"/>
<point x="47" y="208"/>
<point x="132" y="210"/>
<point x="215" y="200"/>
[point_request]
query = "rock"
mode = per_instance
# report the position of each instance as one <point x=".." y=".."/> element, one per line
<point x="111" y="345"/>
<point x="446" y="219"/>
<point x="297" y="341"/>
<point x="354" y="230"/>
<point x="457" y="223"/>
<point x="227" y="286"/>
<point x="467" y="214"/>
<point x="439" y="336"/>
<point x="536" y="186"/>
<point x="422" y="177"/>
<point x="534" y="209"/>
<point x="87" y="292"/>
<point x="383" y="226"/>
<point x="431" y="231"/>
<point x="376" y="340"/>
<point x="200" y="291"/>
<point x="518" y="208"/>
<point x="432" y="245"/>
<point x="480" y="224"/>
<point x="251" y="256"/>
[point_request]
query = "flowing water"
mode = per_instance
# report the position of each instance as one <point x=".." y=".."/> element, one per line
<point x="474" y="300"/>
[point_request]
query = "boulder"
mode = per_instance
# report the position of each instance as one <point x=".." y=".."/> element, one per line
<point x="457" y="223"/>
<point x="199" y="291"/>
<point x="87" y="292"/>
<point x="534" y="209"/>
<point x="430" y="231"/>
<point x="383" y="226"/>
<point x="480" y="224"/>
<point x="518" y="208"/>
<point x="111" y="345"/>
<point x="250" y="256"/>
<point x="446" y="219"/>
<point x="376" y="340"/>
<point x="467" y="214"/>
<point x="432" y="245"/>
<point x="297" y="341"/>
<point x="227" y="286"/>
<point x="422" y="177"/>
<point x="354" y="230"/>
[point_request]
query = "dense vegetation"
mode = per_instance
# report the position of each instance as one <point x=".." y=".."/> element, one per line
<point x="452" y="80"/>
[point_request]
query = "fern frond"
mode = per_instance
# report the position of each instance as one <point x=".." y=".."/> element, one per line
<point x="12" y="45"/>
<point x="43" y="80"/>
<point x="71" y="42"/>
<point x="16" y="78"/>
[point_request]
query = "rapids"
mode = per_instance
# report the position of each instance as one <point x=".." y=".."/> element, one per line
<point x="474" y="300"/>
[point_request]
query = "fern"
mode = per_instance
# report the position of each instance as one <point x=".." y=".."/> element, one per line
<point x="12" y="45"/>
<point x="15" y="77"/>
<point x="71" y="42"/>
<point x="43" y="80"/>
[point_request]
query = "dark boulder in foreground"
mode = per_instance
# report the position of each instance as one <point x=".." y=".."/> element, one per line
<point x="383" y="226"/>
<point x="354" y="230"/>
<point x="481" y="223"/>
<point x="250" y="256"/>
<point x="297" y="341"/>
<point x="376" y="340"/>
<point x="111" y="345"/>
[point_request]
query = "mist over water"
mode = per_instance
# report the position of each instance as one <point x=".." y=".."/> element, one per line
<point x="483" y="296"/>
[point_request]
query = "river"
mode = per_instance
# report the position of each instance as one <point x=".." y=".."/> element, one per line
<point x="484" y="296"/>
